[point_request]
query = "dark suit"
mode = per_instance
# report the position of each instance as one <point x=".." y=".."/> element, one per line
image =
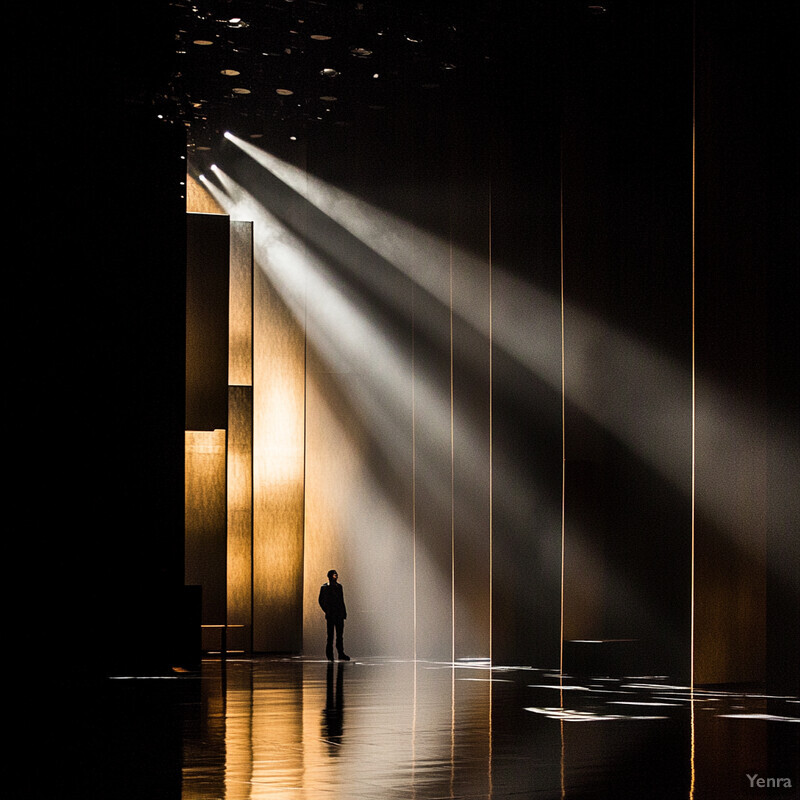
<point x="331" y="601"/>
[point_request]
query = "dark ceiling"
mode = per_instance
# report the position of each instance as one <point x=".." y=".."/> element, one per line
<point x="279" y="68"/>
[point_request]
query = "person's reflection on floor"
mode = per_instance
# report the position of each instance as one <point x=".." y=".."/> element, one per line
<point x="332" y="715"/>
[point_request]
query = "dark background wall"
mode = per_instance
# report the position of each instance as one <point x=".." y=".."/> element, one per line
<point x="101" y="356"/>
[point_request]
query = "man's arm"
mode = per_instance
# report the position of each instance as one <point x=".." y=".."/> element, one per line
<point x="323" y="596"/>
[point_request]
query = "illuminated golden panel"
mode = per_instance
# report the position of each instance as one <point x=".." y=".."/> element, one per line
<point x="240" y="341"/>
<point x="240" y="507"/>
<point x="278" y="471"/>
<point x="204" y="509"/>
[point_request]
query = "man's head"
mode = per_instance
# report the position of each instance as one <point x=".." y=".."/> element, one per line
<point x="333" y="576"/>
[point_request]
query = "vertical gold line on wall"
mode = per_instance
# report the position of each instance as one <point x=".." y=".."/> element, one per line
<point x="491" y="499"/>
<point x="305" y="399"/>
<point x="491" y="446"/>
<point x="694" y="387"/>
<point x="413" y="471"/>
<point x="563" y="467"/>
<point x="563" y="414"/>
<point x="452" y="478"/>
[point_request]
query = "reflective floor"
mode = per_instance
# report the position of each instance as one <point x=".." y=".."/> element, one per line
<point x="378" y="729"/>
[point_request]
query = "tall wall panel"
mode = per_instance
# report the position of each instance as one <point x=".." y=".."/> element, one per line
<point x="207" y="314"/>
<point x="240" y="509"/>
<point x="205" y="521"/>
<point x="278" y="470"/>
<point x="627" y="287"/>
<point x="526" y="361"/>
<point x="240" y="429"/>
<point x="470" y="203"/>
<point x="240" y="347"/>
<point x="735" y="264"/>
<point x="434" y="460"/>
<point x="207" y="281"/>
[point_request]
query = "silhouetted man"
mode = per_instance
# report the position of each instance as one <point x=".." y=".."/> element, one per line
<point x="331" y="601"/>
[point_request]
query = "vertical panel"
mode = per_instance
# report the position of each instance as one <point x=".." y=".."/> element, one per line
<point x="278" y="471"/>
<point x="207" y="276"/>
<point x="240" y="355"/>
<point x="205" y="520"/>
<point x="240" y="429"/>
<point x="733" y="437"/>
<point x="526" y="408"/>
<point x="426" y="175"/>
<point x="471" y="392"/>
<point x="240" y="508"/>
<point x="627" y="167"/>
<point x="433" y="463"/>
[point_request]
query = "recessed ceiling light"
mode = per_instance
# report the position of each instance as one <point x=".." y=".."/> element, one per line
<point x="230" y="72"/>
<point x="284" y="92"/>
<point x="320" y="37"/>
<point x="202" y="42"/>
<point x="329" y="73"/>
<point x="240" y="90"/>
<point x="360" y="52"/>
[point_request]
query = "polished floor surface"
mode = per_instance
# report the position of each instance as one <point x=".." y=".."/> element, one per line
<point x="378" y="729"/>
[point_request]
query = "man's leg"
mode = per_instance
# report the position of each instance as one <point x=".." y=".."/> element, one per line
<point x="329" y="643"/>
<point x="340" y="640"/>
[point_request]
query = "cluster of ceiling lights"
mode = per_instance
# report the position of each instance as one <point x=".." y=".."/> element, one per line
<point x="272" y="67"/>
